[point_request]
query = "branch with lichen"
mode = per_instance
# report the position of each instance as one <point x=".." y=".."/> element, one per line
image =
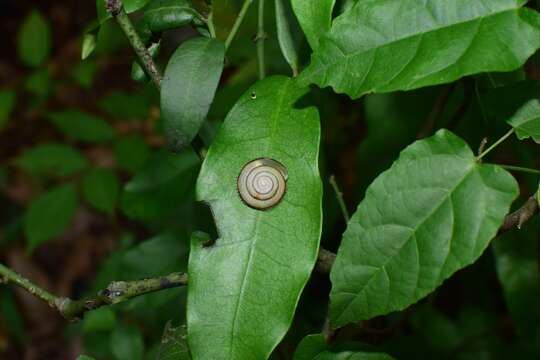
<point x="116" y="292"/>
<point x="116" y="9"/>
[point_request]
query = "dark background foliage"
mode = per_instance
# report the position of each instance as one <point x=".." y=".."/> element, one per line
<point x="109" y="202"/>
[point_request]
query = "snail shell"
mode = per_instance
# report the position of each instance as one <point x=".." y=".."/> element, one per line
<point x="262" y="183"/>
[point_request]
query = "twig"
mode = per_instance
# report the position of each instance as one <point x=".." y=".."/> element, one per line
<point x="261" y="36"/>
<point x="325" y="260"/>
<point x="520" y="169"/>
<point x="495" y="144"/>
<point x="238" y="21"/>
<point x="116" y="292"/>
<point x="339" y="198"/>
<point x="9" y="275"/>
<point x="519" y="217"/>
<point x="116" y="9"/>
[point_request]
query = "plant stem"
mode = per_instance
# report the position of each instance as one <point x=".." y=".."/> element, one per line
<point x="497" y="143"/>
<point x="261" y="36"/>
<point x="119" y="291"/>
<point x="116" y="9"/>
<point x="339" y="198"/>
<point x="116" y="292"/>
<point x="521" y="169"/>
<point x="238" y="21"/>
<point x="9" y="275"/>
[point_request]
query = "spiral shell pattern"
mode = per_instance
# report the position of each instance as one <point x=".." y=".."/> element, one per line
<point x="262" y="183"/>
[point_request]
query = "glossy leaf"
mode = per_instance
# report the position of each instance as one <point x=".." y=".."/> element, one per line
<point x="432" y="213"/>
<point x="161" y="15"/>
<point x="174" y="344"/>
<point x="81" y="126"/>
<point x="34" y="42"/>
<point x="526" y="121"/>
<point x="7" y="103"/>
<point x="49" y="215"/>
<point x="315" y="18"/>
<point x="243" y="290"/>
<point x="388" y="45"/>
<point x="100" y="189"/>
<point x="285" y="23"/>
<point x="52" y="159"/>
<point x="188" y="88"/>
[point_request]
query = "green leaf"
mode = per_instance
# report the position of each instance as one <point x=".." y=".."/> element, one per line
<point x="310" y="347"/>
<point x="432" y="213"/>
<point x="49" y="215"/>
<point x="262" y="260"/>
<point x="7" y="103"/>
<point x="388" y="45"/>
<point x="100" y="189"/>
<point x="88" y="45"/>
<point x="516" y="260"/>
<point x="81" y="126"/>
<point x="350" y="355"/>
<point x="84" y="73"/>
<point x="174" y="344"/>
<point x="161" y="186"/>
<point x="285" y="23"/>
<point x="315" y="18"/>
<point x="188" y="88"/>
<point x="526" y="121"/>
<point x="127" y="343"/>
<point x="52" y="159"/>
<point x="10" y="316"/>
<point x="34" y="41"/>
<point x="84" y="357"/>
<point x="39" y="83"/>
<point x="126" y="105"/>
<point x="101" y="319"/>
<point x="131" y="153"/>
<point x="162" y="15"/>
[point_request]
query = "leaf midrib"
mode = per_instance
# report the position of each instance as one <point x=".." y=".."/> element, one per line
<point x="256" y="223"/>
<point x="420" y="224"/>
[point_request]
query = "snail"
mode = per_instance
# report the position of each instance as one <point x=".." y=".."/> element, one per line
<point x="262" y="183"/>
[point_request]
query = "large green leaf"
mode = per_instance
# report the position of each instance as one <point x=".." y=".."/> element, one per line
<point x="243" y="290"/>
<point x="188" y="88"/>
<point x="34" y="41"/>
<point x="526" y="121"/>
<point x="388" y="45"/>
<point x="81" y="126"/>
<point x="315" y="17"/>
<point x="49" y="214"/>
<point x="432" y="213"/>
<point x="52" y="159"/>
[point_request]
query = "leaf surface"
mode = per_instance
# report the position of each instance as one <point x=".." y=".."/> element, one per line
<point x="243" y="290"/>
<point x="100" y="189"/>
<point x="285" y="24"/>
<point x="81" y="126"/>
<point x="189" y="84"/>
<point x="526" y="121"/>
<point x="315" y="17"/>
<point x="432" y="213"/>
<point x="34" y="41"/>
<point x="49" y="214"/>
<point x="52" y="159"/>
<point x="388" y="45"/>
